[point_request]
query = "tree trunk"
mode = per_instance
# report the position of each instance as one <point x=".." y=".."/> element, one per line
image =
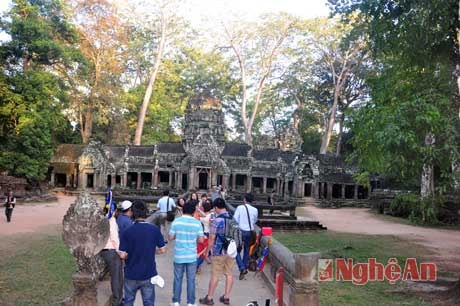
<point x="427" y="179"/>
<point x="149" y="90"/>
<point x="87" y="130"/>
<point x="339" y="139"/>
<point x="330" y="126"/>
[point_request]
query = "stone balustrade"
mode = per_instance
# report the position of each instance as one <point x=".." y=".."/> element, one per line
<point x="301" y="269"/>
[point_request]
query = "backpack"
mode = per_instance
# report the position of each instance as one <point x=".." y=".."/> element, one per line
<point x="232" y="239"/>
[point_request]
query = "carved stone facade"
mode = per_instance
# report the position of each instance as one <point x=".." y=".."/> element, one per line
<point x="204" y="159"/>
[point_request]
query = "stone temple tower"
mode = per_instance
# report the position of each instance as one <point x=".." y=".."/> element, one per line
<point x="204" y="126"/>
<point x="204" y="141"/>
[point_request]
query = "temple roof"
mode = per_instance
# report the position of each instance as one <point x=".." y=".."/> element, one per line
<point x="273" y="155"/>
<point x="117" y="151"/>
<point x="236" y="149"/>
<point x="171" y="147"/>
<point x="142" y="151"/>
<point x="68" y="152"/>
<point x="343" y="178"/>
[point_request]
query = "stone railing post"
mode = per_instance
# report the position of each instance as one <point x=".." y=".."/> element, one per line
<point x="304" y="290"/>
<point x="85" y="231"/>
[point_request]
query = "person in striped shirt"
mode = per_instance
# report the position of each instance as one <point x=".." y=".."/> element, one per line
<point x="186" y="231"/>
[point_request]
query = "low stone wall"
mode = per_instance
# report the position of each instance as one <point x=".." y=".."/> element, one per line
<point x="338" y="203"/>
<point x="300" y="277"/>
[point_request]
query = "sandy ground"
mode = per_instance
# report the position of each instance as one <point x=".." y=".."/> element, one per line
<point x="33" y="217"/>
<point x="444" y="243"/>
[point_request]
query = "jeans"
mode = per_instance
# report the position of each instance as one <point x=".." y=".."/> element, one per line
<point x="8" y="213"/>
<point x="244" y="262"/>
<point x="147" y="292"/>
<point x="199" y="261"/>
<point x="114" y="265"/>
<point x="190" y="269"/>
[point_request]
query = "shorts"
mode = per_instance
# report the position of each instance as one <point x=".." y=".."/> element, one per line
<point x="222" y="265"/>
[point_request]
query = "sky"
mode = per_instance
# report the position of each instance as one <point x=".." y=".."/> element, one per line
<point x="204" y="11"/>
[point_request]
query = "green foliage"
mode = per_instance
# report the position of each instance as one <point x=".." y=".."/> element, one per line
<point x="32" y="97"/>
<point x="413" y="93"/>
<point x="190" y="73"/>
<point x="417" y="210"/>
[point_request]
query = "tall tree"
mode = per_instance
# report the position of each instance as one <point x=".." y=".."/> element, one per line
<point x="102" y="40"/>
<point x="32" y="95"/>
<point x="162" y="20"/>
<point x="416" y="47"/>
<point x="340" y="58"/>
<point x="256" y="48"/>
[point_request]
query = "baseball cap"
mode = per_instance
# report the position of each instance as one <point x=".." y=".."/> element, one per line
<point x="125" y="205"/>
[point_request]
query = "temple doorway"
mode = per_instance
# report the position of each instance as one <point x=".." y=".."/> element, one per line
<point x="203" y="178"/>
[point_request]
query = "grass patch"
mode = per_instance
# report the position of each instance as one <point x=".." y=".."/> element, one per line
<point x="35" y="270"/>
<point x="360" y="248"/>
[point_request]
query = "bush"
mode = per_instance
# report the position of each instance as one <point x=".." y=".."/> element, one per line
<point x="403" y="205"/>
<point x="417" y="210"/>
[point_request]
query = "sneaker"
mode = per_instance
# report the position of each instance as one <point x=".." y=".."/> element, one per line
<point x="175" y="304"/>
<point x="206" y="301"/>
<point x="225" y="300"/>
<point x="191" y="304"/>
<point x="242" y="274"/>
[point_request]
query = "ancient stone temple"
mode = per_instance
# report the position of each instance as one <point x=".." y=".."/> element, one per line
<point x="204" y="159"/>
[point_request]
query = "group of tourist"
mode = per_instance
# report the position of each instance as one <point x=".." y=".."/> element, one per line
<point x="198" y="231"/>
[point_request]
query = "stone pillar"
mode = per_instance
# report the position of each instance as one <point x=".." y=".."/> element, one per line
<point x="304" y="290"/>
<point x="155" y="178"/>
<point x="278" y="183"/>
<point x="286" y="188"/>
<point x="113" y="181"/>
<point x="75" y="178"/>
<point x="170" y="179"/>
<point x="52" y="179"/>
<point x="214" y="177"/>
<point x="234" y="181"/>
<point x="329" y="191"/>
<point x="67" y="180"/>
<point x="139" y="180"/>
<point x="225" y="179"/>
<point x="191" y="183"/>
<point x="248" y="183"/>
<point x="124" y="180"/>
<point x="85" y="232"/>
<point x="179" y="180"/>
<point x="264" y="185"/>
<point x="85" y="292"/>
<point x="313" y="190"/>
<point x="321" y="190"/>
<point x="81" y="180"/>
<point x="356" y="192"/>
<point x="343" y="191"/>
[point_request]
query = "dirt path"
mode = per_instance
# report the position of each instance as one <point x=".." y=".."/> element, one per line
<point x="445" y="243"/>
<point x="32" y="217"/>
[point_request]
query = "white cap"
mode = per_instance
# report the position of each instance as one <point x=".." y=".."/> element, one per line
<point x="126" y="205"/>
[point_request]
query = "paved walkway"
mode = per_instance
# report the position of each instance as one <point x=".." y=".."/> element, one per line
<point x="252" y="288"/>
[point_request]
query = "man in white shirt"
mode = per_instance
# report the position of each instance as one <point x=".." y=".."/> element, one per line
<point x="246" y="216"/>
<point x="164" y="205"/>
<point x="113" y="262"/>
